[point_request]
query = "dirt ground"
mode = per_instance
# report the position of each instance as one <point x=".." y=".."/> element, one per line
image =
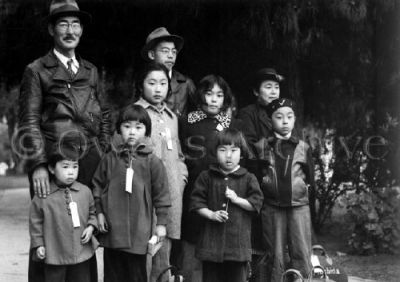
<point x="14" y="242"/>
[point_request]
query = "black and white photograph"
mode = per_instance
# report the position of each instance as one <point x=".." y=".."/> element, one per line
<point x="199" y="141"/>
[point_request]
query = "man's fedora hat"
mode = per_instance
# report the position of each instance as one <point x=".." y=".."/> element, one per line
<point x="268" y="74"/>
<point x="158" y="35"/>
<point x="63" y="8"/>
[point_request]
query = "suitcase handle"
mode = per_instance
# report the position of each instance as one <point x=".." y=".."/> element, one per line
<point x="310" y="276"/>
<point x="292" y="271"/>
<point x="172" y="268"/>
<point x="319" y="248"/>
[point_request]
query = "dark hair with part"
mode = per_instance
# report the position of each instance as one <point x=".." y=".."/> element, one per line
<point x="134" y="112"/>
<point x="206" y="84"/>
<point x="231" y="136"/>
<point x="148" y="68"/>
<point x="61" y="151"/>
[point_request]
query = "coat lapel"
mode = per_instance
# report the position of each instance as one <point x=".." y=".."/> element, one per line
<point x="263" y="117"/>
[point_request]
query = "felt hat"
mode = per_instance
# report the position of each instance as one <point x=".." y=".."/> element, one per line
<point x="63" y="8"/>
<point x="158" y="35"/>
<point x="279" y="103"/>
<point x="268" y="74"/>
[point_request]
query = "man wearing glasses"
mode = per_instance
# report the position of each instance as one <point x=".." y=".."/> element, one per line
<point x="163" y="47"/>
<point x="59" y="103"/>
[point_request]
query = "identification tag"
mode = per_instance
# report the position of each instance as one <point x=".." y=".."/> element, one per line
<point x="128" y="180"/>
<point x="169" y="138"/>
<point x="74" y="214"/>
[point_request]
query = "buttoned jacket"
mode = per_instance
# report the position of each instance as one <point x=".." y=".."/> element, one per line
<point x="163" y="120"/>
<point x="230" y="240"/>
<point x="130" y="215"/>
<point x="50" y="224"/>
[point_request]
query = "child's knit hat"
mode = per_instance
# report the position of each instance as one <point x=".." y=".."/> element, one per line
<point x="279" y="103"/>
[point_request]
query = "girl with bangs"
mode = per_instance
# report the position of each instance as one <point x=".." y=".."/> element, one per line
<point x="198" y="131"/>
<point x="226" y="196"/>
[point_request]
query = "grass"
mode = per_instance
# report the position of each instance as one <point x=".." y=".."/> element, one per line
<point x="380" y="267"/>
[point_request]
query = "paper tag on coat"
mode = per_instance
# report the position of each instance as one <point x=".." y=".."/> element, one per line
<point x="128" y="180"/>
<point x="169" y="138"/>
<point x="74" y="214"/>
<point x="220" y="127"/>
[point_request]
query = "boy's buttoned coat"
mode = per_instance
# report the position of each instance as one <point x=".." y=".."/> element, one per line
<point x="230" y="240"/>
<point x="50" y="225"/>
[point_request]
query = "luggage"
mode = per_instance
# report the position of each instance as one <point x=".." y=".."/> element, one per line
<point x="320" y="258"/>
<point x="314" y="276"/>
<point x="175" y="277"/>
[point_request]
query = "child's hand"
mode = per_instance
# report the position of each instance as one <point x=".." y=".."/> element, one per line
<point x="231" y="195"/>
<point x="103" y="225"/>
<point x="161" y="232"/>
<point x="87" y="234"/>
<point x="41" y="252"/>
<point x="219" y="216"/>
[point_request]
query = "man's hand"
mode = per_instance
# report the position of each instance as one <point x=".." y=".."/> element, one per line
<point x="161" y="232"/>
<point x="41" y="252"/>
<point x="40" y="179"/>
<point x="87" y="234"/>
<point x="103" y="225"/>
<point x="219" y="216"/>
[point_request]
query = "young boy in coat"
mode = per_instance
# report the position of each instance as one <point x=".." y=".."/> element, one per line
<point x="288" y="175"/>
<point x="61" y="226"/>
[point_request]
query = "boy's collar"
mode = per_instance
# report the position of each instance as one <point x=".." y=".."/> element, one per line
<point x="54" y="187"/>
<point x="279" y="136"/>
<point x="290" y="137"/>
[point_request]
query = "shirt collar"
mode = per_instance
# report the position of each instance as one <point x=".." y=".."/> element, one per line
<point x="142" y="102"/>
<point x="238" y="171"/>
<point x="64" y="60"/>
<point x="279" y="136"/>
<point x="54" y="187"/>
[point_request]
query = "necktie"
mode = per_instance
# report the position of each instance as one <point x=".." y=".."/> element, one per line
<point x="69" y="64"/>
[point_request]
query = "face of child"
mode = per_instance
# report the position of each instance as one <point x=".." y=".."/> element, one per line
<point x="164" y="53"/>
<point x="155" y="88"/>
<point x="214" y="100"/>
<point x="228" y="157"/>
<point x="269" y="90"/>
<point x="283" y="120"/>
<point x="65" y="172"/>
<point x="132" y="131"/>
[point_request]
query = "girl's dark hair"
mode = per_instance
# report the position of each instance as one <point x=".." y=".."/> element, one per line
<point x="206" y="84"/>
<point x="231" y="136"/>
<point x="134" y="112"/>
<point x="148" y="68"/>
